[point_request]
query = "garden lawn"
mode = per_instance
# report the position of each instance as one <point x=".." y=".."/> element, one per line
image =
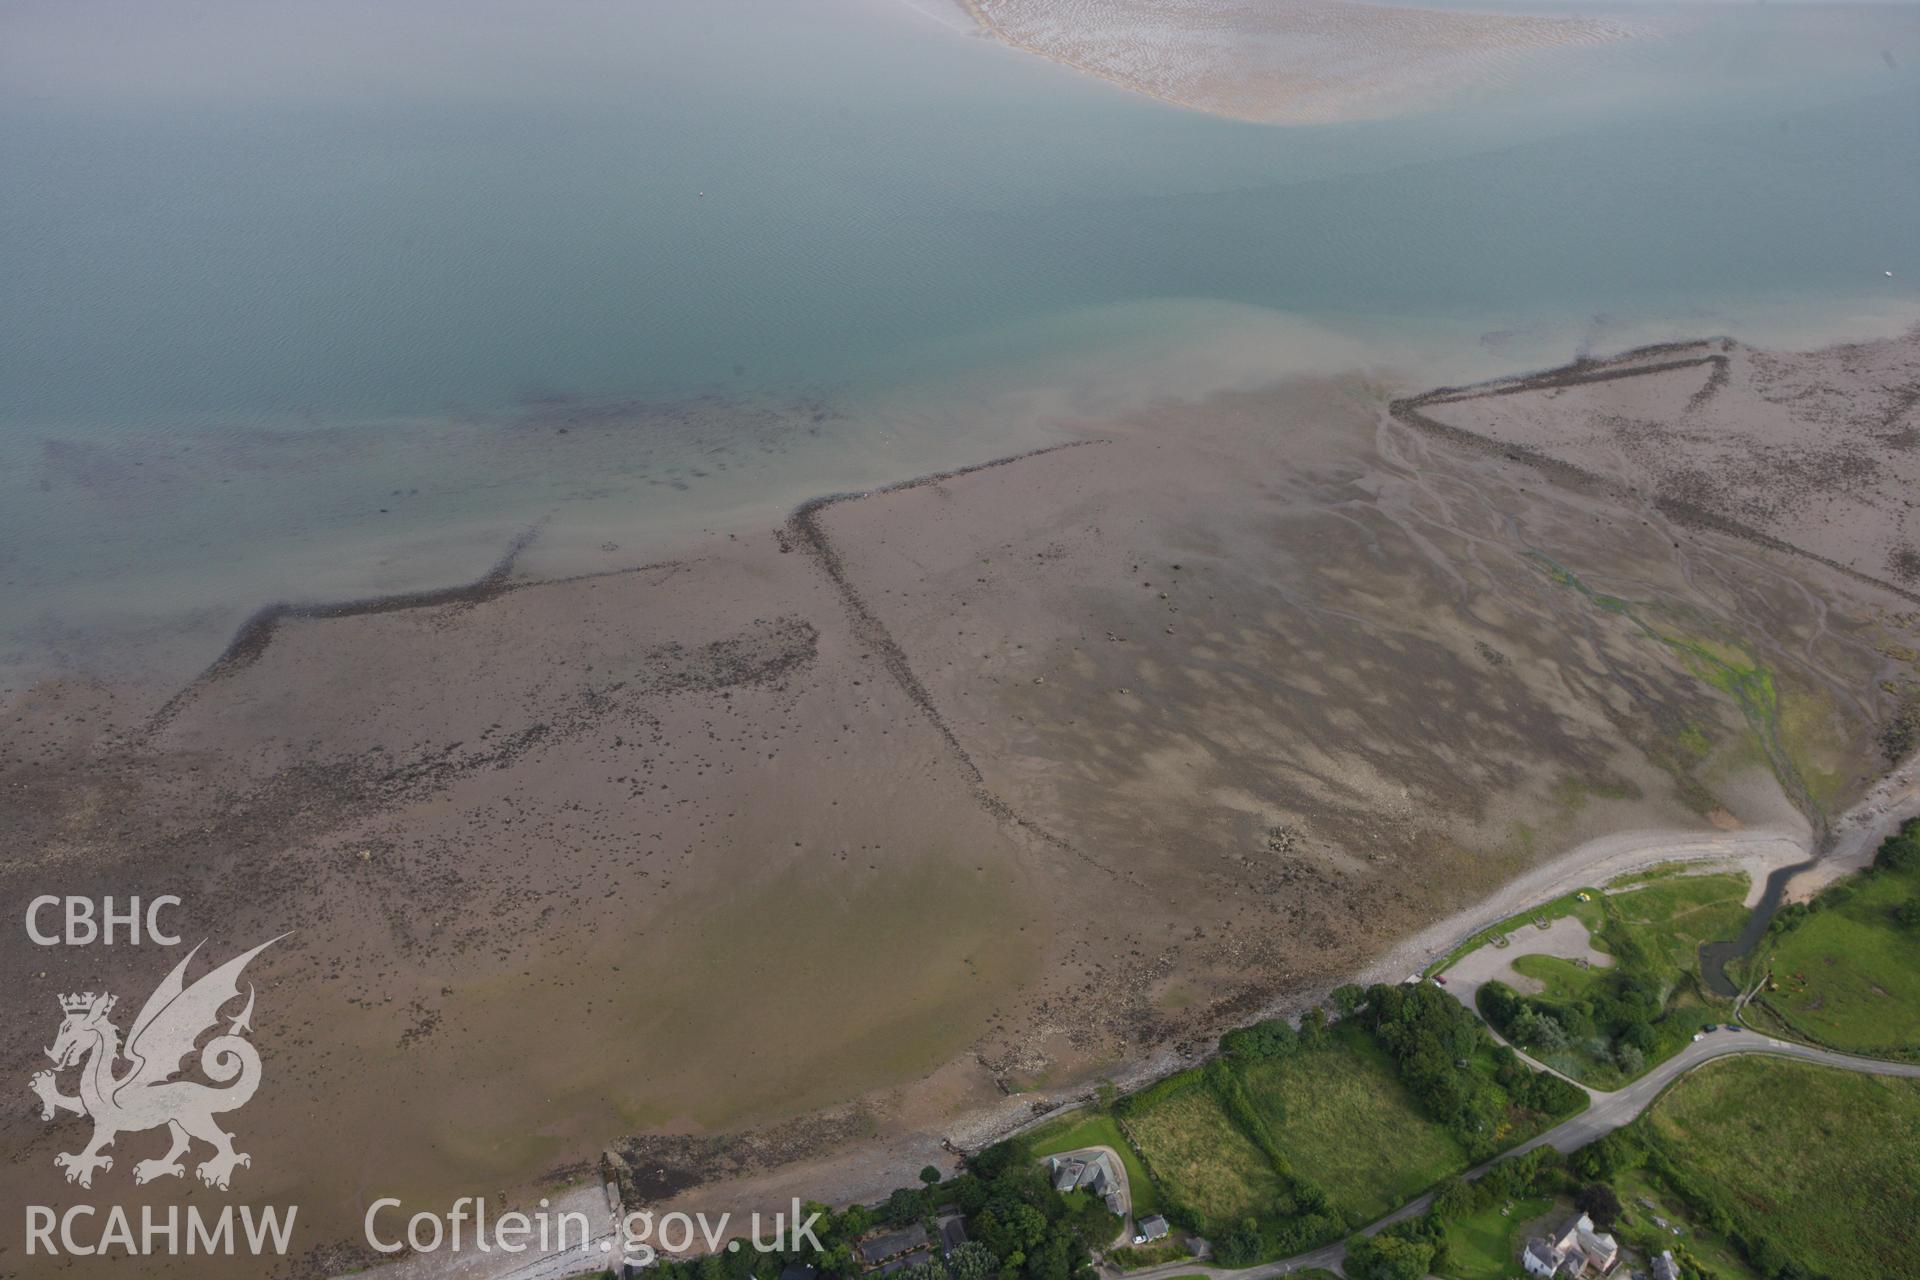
<point x="1637" y="1229"/>
<point x="1486" y="1245"/>
<point x="1822" y="1164"/>
<point x="1200" y="1158"/>
<point x="1849" y="975"/>
<point x="1340" y="1115"/>
<point x="1098" y="1129"/>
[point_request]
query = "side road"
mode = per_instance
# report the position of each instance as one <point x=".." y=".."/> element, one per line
<point x="1609" y="1111"/>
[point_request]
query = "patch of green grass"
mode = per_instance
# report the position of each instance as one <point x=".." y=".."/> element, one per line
<point x="1136" y="1257"/>
<point x="1849" y="974"/>
<point x="1200" y="1156"/>
<point x="1098" y="1129"/>
<point x="1564" y="980"/>
<point x="1658" y="871"/>
<point x="1670" y="918"/>
<point x="1486" y="1245"/>
<point x="1820" y="1163"/>
<point x="1340" y="1115"/>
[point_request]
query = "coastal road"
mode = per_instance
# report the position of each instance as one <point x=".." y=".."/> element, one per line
<point x="1609" y="1110"/>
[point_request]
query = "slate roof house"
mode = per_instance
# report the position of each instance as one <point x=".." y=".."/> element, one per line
<point x="1070" y="1174"/>
<point x="893" y="1244"/>
<point x="1576" y="1250"/>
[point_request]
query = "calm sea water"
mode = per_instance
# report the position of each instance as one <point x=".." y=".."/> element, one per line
<point x="294" y="298"/>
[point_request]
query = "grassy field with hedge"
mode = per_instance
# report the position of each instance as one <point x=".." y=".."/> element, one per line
<point x="1802" y="1164"/>
<point x="1213" y="1168"/>
<point x="1342" y="1117"/>
<point x="1847" y="972"/>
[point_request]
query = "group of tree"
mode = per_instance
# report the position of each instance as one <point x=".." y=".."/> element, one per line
<point x="1435" y="1043"/>
<point x="1020" y="1228"/>
<point x="1401" y="1252"/>
<point x="1899" y="854"/>
<point x="1029" y="1229"/>
<point x="1612" y="1020"/>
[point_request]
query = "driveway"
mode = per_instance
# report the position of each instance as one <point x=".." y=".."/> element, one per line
<point x="1566" y="938"/>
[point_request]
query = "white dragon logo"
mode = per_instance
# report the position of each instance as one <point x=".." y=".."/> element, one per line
<point x="146" y="1096"/>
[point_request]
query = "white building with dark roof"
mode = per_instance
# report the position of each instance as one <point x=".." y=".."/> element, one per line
<point x="1576" y="1250"/>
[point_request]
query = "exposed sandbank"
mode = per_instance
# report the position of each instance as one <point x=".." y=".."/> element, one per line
<point x="1285" y="61"/>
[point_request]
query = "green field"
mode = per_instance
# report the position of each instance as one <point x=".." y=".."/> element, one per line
<point x="1670" y="918"/>
<point x="1486" y="1245"/>
<point x="1098" y="1129"/>
<point x="1849" y="975"/>
<point x="1822" y="1165"/>
<point x="1343" y="1119"/>
<point x="1200" y="1156"/>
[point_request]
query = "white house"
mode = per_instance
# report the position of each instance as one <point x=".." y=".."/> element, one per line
<point x="1576" y="1250"/>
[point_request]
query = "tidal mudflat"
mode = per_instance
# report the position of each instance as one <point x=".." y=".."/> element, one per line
<point x="834" y="838"/>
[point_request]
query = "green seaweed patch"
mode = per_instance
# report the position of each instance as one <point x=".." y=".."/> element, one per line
<point x="1728" y="667"/>
<point x="1572" y="794"/>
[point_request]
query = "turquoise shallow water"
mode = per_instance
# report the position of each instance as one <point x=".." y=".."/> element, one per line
<point x="266" y="269"/>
